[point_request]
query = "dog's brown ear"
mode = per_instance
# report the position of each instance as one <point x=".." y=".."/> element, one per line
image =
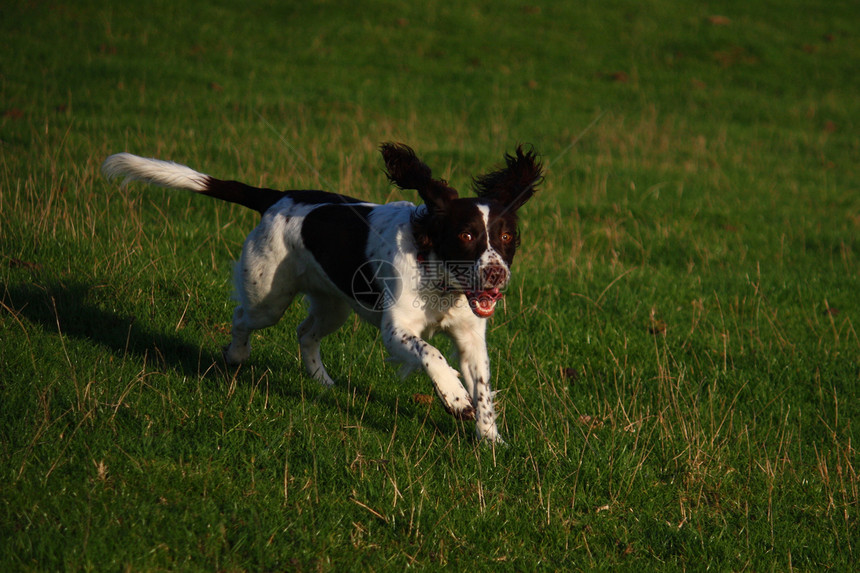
<point x="515" y="183"/>
<point x="405" y="170"/>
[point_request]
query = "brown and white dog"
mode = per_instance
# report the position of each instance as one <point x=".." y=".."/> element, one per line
<point x="408" y="270"/>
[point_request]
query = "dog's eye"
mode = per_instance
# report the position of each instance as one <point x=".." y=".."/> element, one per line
<point x="507" y="238"/>
<point x="466" y="237"/>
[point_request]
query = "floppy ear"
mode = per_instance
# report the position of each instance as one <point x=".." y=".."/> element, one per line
<point x="514" y="184"/>
<point x="405" y="170"/>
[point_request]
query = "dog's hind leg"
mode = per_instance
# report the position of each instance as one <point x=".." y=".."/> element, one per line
<point x="254" y="313"/>
<point x="264" y="289"/>
<point x="325" y="315"/>
<point x="245" y="321"/>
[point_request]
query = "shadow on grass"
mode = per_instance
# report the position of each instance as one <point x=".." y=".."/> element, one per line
<point x="67" y="307"/>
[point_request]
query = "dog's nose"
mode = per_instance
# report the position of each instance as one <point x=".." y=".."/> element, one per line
<point x="494" y="276"/>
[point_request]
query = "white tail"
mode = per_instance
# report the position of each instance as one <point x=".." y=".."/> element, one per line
<point x="155" y="171"/>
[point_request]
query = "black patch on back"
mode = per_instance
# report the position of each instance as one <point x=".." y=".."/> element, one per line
<point x="260" y="199"/>
<point x="337" y="236"/>
<point x="313" y="197"/>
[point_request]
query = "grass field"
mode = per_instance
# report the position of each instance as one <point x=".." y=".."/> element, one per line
<point x="677" y="357"/>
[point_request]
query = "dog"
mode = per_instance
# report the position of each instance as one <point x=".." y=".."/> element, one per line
<point x="408" y="270"/>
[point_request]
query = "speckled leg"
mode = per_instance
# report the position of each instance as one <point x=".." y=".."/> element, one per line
<point x="475" y="366"/>
<point x="413" y="352"/>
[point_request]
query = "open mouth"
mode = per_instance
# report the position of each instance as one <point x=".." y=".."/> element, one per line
<point x="483" y="302"/>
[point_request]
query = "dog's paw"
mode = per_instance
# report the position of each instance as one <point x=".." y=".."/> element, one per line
<point x="490" y="436"/>
<point x="321" y="376"/>
<point x="467" y="413"/>
<point x="235" y="356"/>
<point x="459" y="405"/>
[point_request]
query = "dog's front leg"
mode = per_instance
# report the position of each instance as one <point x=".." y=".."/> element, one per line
<point x="407" y="347"/>
<point x="475" y="365"/>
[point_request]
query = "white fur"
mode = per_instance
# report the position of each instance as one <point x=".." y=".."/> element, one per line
<point x="155" y="171"/>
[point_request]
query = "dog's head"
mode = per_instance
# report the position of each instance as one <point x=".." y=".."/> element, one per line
<point x="473" y="239"/>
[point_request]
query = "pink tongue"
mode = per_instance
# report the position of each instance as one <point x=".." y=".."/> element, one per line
<point x="483" y="303"/>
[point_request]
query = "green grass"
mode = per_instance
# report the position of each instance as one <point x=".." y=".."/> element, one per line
<point x="677" y="358"/>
